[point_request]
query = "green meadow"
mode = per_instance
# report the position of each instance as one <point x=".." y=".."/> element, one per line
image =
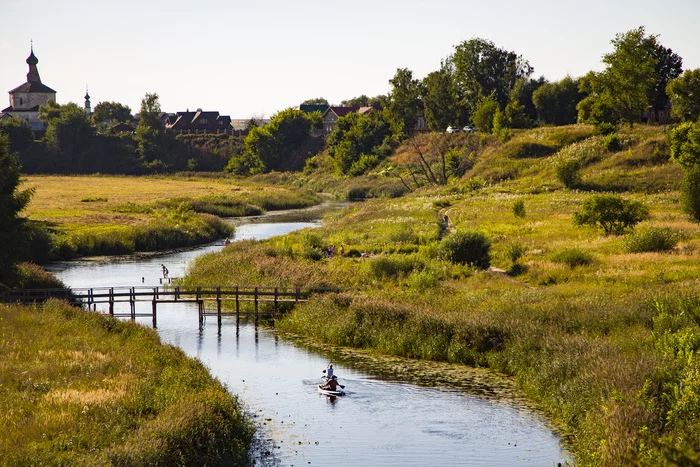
<point x="601" y="331"/>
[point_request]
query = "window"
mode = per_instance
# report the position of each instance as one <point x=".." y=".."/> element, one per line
<point x="21" y="101"/>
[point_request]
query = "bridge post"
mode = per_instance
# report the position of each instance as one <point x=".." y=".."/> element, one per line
<point x="132" y="303"/>
<point x="89" y="298"/>
<point x="111" y="301"/>
<point x="255" y="298"/>
<point x="218" y="306"/>
<point x="238" y="310"/>
<point x="154" y="314"/>
<point x="274" y="309"/>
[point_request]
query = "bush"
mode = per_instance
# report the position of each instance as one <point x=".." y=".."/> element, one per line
<point x="519" y="208"/>
<point x="690" y="192"/>
<point x="651" y="239"/>
<point x="611" y="212"/>
<point x="612" y="143"/>
<point x="568" y="172"/>
<point x="467" y="247"/>
<point x="515" y="251"/>
<point x="573" y="257"/>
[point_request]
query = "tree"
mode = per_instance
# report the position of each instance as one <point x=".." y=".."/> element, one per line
<point x="611" y="212"/>
<point x="439" y="99"/>
<point x="629" y="77"/>
<point x="405" y="105"/>
<point x="523" y="91"/>
<point x="684" y="92"/>
<point x="315" y="101"/>
<point x="111" y="112"/>
<point x="360" y="101"/>
<point x="281" y="144"/>
<point x="153" y="141"/>
<point x="556" y="102"/>
<point x="11" y="203"/>
<point x="685" y="150"/>
<point x="18" y="132"/>
<point x="69" y="133"/>
<point x="668" y="67"/>
<point x="481" y="69"/>
<point x="484" y="113"/>
<point x="358" y="141"/>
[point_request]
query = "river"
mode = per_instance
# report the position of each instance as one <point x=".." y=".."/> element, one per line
<point x="396" y="412"/>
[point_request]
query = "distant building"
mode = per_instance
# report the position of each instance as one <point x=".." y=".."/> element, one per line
<point x="332" y="114"/>
<point x="308" y="108"/>
<point x="26" y="99"/>
<point x="199" y="122"/>
<point x="88" y="108"/>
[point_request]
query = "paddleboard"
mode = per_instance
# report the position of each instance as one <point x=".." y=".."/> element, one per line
<point x="328" y="392"/>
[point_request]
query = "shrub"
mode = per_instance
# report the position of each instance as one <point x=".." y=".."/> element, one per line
<point x="385" y="267"/>
<point x="467" y="247"/>
<point x="690" y="192"/>
<point x="573" y="257"/>
<point x="611" y="212"/>
<point x="519" y="208"/>
<point x="568" y="172"/>
<point x="651" y="239"/>
<point x="612" y="143"/>
<point x="515" y="251"/>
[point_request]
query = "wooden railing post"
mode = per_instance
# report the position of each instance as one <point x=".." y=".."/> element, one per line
<point x="218" y="306"/>
<point x="255" y="298"/>
<point x="132" y="303"/>
<point x="111" y="301"/>
<point x="238" y="310"/>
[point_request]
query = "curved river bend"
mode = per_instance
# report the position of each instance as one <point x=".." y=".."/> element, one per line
<point x="396" y="412"/>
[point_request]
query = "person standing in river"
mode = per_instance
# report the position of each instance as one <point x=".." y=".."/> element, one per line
<point x="165" y="271"/>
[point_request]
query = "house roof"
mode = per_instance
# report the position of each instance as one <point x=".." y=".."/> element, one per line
<point x="308" y="108"/>
<point x="13" y="110"/>
<point x="32" y="86"/>
<point x="340" y="111"/>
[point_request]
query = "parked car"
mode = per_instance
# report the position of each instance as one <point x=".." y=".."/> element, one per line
<point x="452" y="130"/>
<point x="469" y="128"/>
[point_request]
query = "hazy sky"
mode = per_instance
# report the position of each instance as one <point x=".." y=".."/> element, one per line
<point x="250" y="58"/>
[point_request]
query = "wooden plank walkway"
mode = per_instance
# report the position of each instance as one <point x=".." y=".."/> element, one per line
<point x="202" y="296"/>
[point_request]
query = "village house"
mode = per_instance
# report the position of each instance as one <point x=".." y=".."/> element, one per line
<point x="199" y="122"/>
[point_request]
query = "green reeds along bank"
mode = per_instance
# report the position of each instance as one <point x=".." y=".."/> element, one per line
<point x="78" y="388"/>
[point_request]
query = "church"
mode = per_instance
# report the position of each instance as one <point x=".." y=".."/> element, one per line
<point x="26" y="99"/>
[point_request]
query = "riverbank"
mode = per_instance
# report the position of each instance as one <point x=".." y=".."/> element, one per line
<point x="112" y="394"/>
<point x="77" y="216"/>
<point x="605" y="346"/>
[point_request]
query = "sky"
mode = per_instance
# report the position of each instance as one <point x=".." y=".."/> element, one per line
<point x="252" y="59"/>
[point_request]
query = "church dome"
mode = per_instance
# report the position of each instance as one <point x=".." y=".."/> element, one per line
<point x="32" y="60"/>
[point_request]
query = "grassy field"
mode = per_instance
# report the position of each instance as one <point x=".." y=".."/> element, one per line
<point x="97" y="215"/>
<point x="78" y="388"/>
<point x="605" y="340"/>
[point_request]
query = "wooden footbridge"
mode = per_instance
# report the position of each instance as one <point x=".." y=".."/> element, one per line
<point x="209" y="300"/>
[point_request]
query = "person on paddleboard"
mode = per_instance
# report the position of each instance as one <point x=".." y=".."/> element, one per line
<point x="329" y="371"/>
<point x="332" y="384"/>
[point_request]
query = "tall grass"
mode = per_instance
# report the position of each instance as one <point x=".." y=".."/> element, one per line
<point x="111" y="394"/>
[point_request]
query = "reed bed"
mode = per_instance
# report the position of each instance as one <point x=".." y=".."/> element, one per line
<point x="82" y="389"/>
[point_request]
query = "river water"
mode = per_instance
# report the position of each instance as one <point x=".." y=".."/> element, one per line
<point x="396" y="412"/>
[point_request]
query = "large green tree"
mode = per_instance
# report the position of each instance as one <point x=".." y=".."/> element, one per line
<point x="685" y="150"/>
<point x="11" y="203"/>
<point x="283" y="144"/>
<point x="112" y="112"/>
<point x="556" y="102"/>
<point x="405" y="104"/>
<point x="358" y="142"/>
<point x="69" y="133"/>
<point x="439" y="99"/>
<point x="523" y="91"/>
<point x="315" y="101"/>
<point x="631" y="73"/>
<point x="153" y="141"/>
<point x="684" y="93"/>
<point x="19" y="133"/>
<point x="481" y="70"/>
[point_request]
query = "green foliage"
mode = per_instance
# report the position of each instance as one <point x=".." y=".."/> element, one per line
<point x="244" y="164"/>
<point x="390" y="267"/>
<point x="439" y="99"/>
<point x="12" y="202"/>
<point x="519" y="208"/>
<point x="523" y="92"/>
<point x="684" y="141"/>
<point x="111" y="112"/>
<point x="556" y="102"/>
<point x="651" y="239"/>
<point x="690" y="192"/>
<point x="315" y="101"/>
<point x="19" y="133"/>
<point x="283" y="144"/>
<point x="515" y="251"/>
<point x="358" y="142"/>
<point x="467" y="247"/>
<point x="569" y="172"/>
<point x="481" y="69"/>
<point x="573" y="257"/>
<point x="683" y="92"/>
<point x="484" y="114"/>
<point x="612" y="213"/>
<point x="69" y="131"/>
<point x="612" y="143"/>
<point x="404" y="102"/>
